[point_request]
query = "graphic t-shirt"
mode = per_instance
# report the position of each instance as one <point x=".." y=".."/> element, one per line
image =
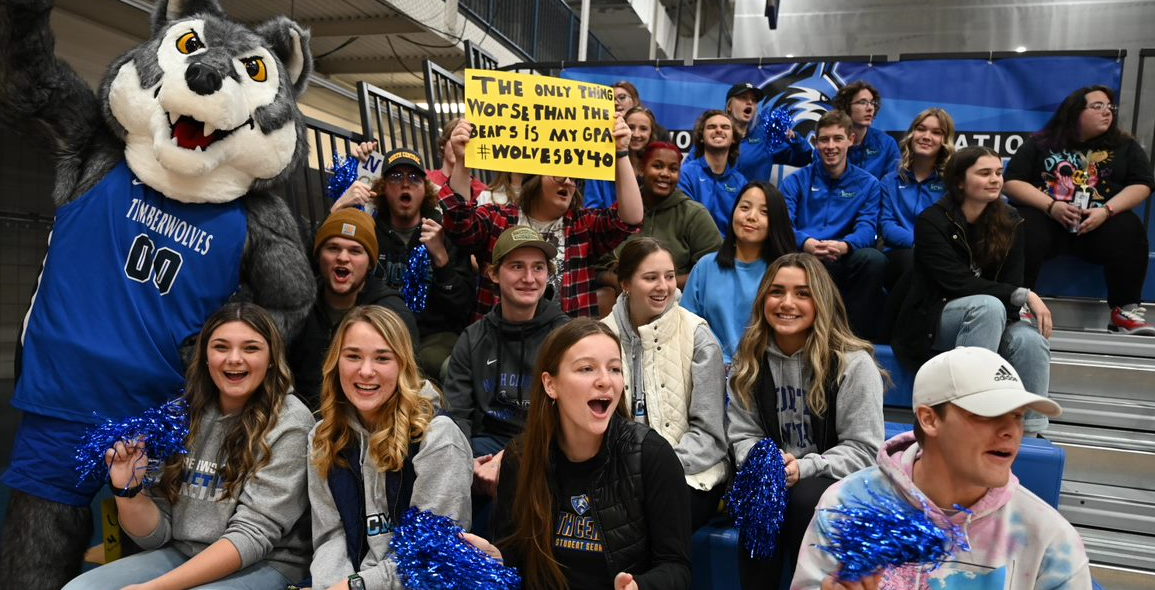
<point x="1094" y="167"/>
<point x="577" y="538"/>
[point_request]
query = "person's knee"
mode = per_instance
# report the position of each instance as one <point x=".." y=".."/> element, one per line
<point x="985" y="308"/>
<point x="868" y="260"/>
<point x="1025" y="340"/>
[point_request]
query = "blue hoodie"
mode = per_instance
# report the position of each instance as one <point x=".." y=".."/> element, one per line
<point x="716" y="192"/>
<point x="902" y="201"/>
<point x="827" y="209"/>
<point x="756" y="158"/>
<point x="599" y="194"/>
<point x="877" y="154"/>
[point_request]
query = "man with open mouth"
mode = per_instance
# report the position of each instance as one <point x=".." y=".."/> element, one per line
<point x="969" y="405"/>
<point x="345" y="251"/>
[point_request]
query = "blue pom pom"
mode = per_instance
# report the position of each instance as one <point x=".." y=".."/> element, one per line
<point x="883" y="531"/>
<point x="163" y="430"/>
<point x="415" y="289"/>
<point x="431" y="555"/>
<point x="758" y="499"/>
<point x="344" y="175"/>
<point x="775" y="125"/>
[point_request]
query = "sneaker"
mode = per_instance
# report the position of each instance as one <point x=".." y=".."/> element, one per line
<point x="1130" y="321"/>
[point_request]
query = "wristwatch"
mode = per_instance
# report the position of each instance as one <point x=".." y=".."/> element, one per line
<point x="356" y="583"/>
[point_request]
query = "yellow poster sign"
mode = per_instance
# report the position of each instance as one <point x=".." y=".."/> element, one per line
<point x="539" y="125"/>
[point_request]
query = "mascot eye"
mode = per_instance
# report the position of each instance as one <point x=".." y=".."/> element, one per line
<point x="188" y="43"/>
<point x="255" y="68"/>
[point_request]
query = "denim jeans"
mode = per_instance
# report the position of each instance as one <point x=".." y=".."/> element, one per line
<point x="142" y="567"/>
<point x="981" y="320"/>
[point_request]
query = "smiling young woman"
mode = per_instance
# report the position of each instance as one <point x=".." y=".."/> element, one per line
<point x="966" y="287"/>
<point x="591" y="508"/>
<point x="233" y="510"/>
<point x="673" y="371"/>
<point x="802" y="379"/>
<point x="378" y="450"/>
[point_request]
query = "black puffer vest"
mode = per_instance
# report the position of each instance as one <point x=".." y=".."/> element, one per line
<point x="617" y="492"/>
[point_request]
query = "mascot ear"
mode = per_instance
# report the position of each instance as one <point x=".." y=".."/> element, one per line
<point x="290" y="43"/>
<point x="167" y="11"/>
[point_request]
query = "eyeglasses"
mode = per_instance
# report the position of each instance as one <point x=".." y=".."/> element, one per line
<point x="563" y="180"/>
<point x="398" y="177"/>
<point x="864" y="102"/>
<point x="1098" y="106"/>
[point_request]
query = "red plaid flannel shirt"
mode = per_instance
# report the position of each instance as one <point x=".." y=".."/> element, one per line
<point x="589" y="235"/>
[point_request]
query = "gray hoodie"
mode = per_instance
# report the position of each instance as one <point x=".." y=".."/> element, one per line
<point x="268" y="519"/>
<point x="444" y="469"/>
<point x="858" y="420"/>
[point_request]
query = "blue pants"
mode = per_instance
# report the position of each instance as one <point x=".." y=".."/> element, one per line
<point x="981" y="320"/>
<point x="149" y="565"/>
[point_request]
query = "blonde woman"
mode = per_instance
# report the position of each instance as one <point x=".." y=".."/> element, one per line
<point x="377" y="450"/>
<point x="802" y="379"/>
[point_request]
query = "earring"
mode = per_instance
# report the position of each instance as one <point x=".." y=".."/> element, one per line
<point x="553" y="401"/>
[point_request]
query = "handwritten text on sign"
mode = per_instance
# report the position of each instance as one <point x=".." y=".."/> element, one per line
<point x="539" y="125"/>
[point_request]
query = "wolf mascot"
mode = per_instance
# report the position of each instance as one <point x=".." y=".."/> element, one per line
<point x="162" y="216"/>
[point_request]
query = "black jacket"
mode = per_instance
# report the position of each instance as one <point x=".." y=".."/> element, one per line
<point x="307" y="351"/>
<point x="491" y="371"/>
<point x="943" y="272"/>
<point x="639" y="498"/>
<point x="451" y="296"/>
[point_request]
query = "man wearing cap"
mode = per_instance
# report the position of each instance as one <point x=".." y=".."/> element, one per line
<point x="346" y="251"/>
<point x="756" y="156"/>
<point x="437" y="281"/>
<point x="969" y="405"/>
<point x="491" y="369"/>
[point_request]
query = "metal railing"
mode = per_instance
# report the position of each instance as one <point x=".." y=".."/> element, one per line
<point x="540" y="30"/>
<point x="304" y="190"/>
<point x="478" y="58"/>
<point x="395" y="122"/>
<point x="445" y="93"/>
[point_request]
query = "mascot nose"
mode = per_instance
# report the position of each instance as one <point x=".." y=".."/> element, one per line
<point x="202" y="79"/>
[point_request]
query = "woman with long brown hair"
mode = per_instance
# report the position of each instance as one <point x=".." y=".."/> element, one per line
<point x="378" y="450"/>
<point x="802" y="379"/>
<point x="232" y="513"/>
<point x="967" y="286"/>
<point x="594" y="506"/>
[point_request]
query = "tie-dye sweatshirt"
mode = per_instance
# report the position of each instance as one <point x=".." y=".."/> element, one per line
<point x="1017" y="541"/>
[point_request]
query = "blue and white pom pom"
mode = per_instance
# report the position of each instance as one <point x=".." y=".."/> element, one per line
<point x="881" y="531"/>
<point x="758" y="499"/>
<point x="162" y="429"/>
<point x="415" y="287"/>
<point x="775" y="126"/>
<point x="431" y="555"/>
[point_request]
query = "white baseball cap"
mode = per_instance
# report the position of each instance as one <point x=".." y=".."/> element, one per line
<point x="978" y="381"/>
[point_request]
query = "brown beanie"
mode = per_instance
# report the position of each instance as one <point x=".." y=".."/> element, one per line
<point x="352" y="224"/>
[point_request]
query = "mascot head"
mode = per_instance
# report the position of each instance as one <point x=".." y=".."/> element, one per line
<point x="207" y="107"/>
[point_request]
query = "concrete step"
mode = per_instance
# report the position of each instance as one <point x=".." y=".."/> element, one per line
<point x="1108" y="507"/>
<point x="1112" y="577"/>
<point x="1103" y="376"/>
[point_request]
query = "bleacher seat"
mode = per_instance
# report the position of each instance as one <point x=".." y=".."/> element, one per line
<point x="900" y="394"/>
<point x="714" y="547"/>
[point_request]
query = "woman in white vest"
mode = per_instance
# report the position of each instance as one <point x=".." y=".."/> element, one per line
<point x="674" y="376"/>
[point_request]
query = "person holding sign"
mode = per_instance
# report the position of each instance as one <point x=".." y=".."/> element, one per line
<point x="1082" y="155"/>
<point x="712" y="179"/>
<point x="588" y="498"/>
<point x="552" y="206"/>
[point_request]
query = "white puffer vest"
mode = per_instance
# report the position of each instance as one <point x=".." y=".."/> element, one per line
<point x="667" y="348"/>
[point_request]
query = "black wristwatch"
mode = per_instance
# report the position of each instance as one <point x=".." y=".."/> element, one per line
<point x="356" y="583"/>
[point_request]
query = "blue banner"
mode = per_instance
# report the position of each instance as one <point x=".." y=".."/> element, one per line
<point x="994" y="103"/>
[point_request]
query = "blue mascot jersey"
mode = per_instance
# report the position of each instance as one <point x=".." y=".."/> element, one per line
<point x="129" y="276"/>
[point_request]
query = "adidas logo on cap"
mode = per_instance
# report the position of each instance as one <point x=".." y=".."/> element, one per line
<point x="1004" y="374"/>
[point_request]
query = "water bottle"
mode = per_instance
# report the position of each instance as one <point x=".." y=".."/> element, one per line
<point x="1081" y="201"/>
